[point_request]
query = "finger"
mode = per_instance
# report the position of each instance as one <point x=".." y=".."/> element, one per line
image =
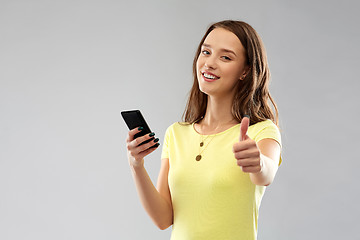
<point x="243" y="145"/>
<point x="244" y="125"/>
<point x="251" y="169"/>
<point x="148" y="151"/>
<point x="247" y="154"/>
<point x="250" y="161"/>
<point x="132" y="133"/>
<point x="139" y="141"/>
<point x="244" y="163"/>
<point x="146" y="146"/>
<point x="139" y="152"/>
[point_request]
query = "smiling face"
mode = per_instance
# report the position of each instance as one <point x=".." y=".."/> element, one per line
<point x="221" y="63"/>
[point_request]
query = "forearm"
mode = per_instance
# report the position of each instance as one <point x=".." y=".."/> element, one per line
<point x="266" y="176"/>
<point x="156" y="206"/>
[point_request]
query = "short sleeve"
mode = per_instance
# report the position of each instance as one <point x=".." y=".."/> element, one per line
<point x="269" y="130"/>
<point x="165" y="148"/>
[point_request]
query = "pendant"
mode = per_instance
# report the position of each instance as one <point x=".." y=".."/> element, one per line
<point x="201" y="144"/>
<point x="198" y="157"/>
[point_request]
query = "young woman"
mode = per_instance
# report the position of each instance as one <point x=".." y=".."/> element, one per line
<point x="217" y="163"/>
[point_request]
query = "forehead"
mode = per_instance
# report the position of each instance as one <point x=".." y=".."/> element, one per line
<point x="221" y="38"/>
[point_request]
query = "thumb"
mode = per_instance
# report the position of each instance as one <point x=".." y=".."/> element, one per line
<point x="244" y="125"/>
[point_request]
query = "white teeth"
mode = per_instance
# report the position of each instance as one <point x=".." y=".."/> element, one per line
<point x="209" y="76"/>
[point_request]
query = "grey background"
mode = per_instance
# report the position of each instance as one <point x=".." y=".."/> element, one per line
<point x="69" y="67"/>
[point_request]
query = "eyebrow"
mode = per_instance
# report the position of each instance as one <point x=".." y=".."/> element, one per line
<point x="222" y="49"/>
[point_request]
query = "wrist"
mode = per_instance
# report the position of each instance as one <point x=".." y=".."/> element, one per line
<point x="263" y="177"/>
<point x="136" y="164"/>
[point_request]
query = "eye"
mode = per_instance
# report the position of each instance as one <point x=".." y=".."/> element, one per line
<point x="205" y="52"/>
<point x="226" y="58"/>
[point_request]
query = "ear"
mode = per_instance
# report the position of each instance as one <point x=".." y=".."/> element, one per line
<point x="245" y="72"/>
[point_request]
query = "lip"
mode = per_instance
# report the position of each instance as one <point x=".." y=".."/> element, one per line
<point x="207" y="79"/>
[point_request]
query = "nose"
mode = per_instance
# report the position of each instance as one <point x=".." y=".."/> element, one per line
<point x="210" y="62"/>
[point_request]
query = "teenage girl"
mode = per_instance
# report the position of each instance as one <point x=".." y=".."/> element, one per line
<point x="216" y="164"/>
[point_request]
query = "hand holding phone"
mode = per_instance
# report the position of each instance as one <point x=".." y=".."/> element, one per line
<point x="141" y="140"/>
<point x="134" y="119"/>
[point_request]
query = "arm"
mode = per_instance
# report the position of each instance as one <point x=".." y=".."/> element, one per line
<point x="269" y="158"/>
<point x="260" y="159"/>
<point x="157" y="203"/>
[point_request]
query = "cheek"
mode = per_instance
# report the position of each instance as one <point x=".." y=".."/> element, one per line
<point x="199" y="63"/>
<point x="232" y="72"/>
<point x="235" y="71"/>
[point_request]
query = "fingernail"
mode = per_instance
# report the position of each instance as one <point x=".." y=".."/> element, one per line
<point x="151" y="134"/>
<point x="247" y="116"/>
<point x="157" y="144"/>
<point x="140" y="128"/>
<point x="156" y="140"/>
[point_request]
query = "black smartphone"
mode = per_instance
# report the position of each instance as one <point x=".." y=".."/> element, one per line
<point x="134" y="119"/>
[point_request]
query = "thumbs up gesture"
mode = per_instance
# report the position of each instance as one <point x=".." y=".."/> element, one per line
<point x="246" y="151"/>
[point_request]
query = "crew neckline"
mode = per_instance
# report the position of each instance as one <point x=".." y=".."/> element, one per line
<point x="219" y="133"/>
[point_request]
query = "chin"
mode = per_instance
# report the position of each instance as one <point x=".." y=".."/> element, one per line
<point x="206" y="91"/>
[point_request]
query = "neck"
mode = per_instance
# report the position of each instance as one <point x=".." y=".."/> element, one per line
<point x="218" y="113"/>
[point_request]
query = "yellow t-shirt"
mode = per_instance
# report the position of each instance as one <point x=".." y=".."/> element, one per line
<point x="212" y="198"/>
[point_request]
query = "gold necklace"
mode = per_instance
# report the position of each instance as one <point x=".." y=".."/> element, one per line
<point x="198" y="157"/>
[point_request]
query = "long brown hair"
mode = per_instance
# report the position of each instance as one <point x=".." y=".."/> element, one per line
<point x="252" y="95"/>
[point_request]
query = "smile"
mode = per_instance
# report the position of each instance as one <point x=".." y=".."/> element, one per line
<point x="209" y="77"/>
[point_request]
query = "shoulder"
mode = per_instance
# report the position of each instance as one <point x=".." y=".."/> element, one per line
<point x="178" y="127"/>
<point x="264" y="129"/>
<point x="263" y="124"/>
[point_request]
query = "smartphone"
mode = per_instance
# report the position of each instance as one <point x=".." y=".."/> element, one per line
<point x="135" y="119"/>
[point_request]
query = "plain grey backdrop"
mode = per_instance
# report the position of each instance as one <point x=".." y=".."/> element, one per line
<point x="69" y="67"/>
